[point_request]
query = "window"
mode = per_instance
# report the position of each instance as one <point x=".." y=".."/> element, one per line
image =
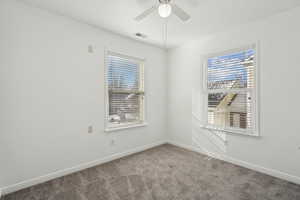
<point x="230" y="85"/>
<point x="125" y="91"/>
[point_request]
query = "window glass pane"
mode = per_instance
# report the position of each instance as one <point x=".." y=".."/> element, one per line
<point x="125" y="93"/>
<point x="230" y="110"/>
<point x="235" y="70"/>
<point x="124" y="107"/>
<point x="122" y="73"/>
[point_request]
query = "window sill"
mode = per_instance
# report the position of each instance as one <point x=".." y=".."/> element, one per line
<point x="232" y="131"/>
<point x="125" y="126"/>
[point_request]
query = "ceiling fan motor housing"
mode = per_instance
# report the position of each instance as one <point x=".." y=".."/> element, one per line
<point x="164" y="1"/>
<point x="165" y="8"/>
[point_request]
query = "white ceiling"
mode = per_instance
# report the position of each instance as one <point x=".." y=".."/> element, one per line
<point x="207" y="16"/>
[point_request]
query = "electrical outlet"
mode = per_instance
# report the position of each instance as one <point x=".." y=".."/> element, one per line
<point x="90" y="129"/>
<point x="90" y="49"/>
<point x="112" y="142"/>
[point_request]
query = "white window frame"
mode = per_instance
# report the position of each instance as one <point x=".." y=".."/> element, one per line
<point x="141" y="62"/>
<point x="254" y="92"/>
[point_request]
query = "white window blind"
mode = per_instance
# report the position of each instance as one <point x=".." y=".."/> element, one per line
<point x="125" y="91"/>
<point x="231" y="91"/>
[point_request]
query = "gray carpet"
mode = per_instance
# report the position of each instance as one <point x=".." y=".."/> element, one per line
<point x="163" y="173"/>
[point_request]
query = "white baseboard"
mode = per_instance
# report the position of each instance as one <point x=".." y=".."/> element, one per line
<point x="268" y="171"/>
<point x="60" y="173"/>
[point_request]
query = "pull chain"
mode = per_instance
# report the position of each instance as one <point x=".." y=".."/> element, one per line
<point x="165" y="32"/>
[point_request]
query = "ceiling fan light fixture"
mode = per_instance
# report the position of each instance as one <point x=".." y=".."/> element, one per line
<point x="164" y="10"/>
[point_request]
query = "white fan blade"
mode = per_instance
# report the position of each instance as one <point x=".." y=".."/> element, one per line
<point x="180" y="13"/>
<point x="145" y="13"/>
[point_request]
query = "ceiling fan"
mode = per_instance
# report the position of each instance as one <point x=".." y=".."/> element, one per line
<point x="165" y="8"/>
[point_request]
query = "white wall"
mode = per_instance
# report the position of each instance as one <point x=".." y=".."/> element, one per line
<point x="52" y="89"/>
<point x="278" y="147"/>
